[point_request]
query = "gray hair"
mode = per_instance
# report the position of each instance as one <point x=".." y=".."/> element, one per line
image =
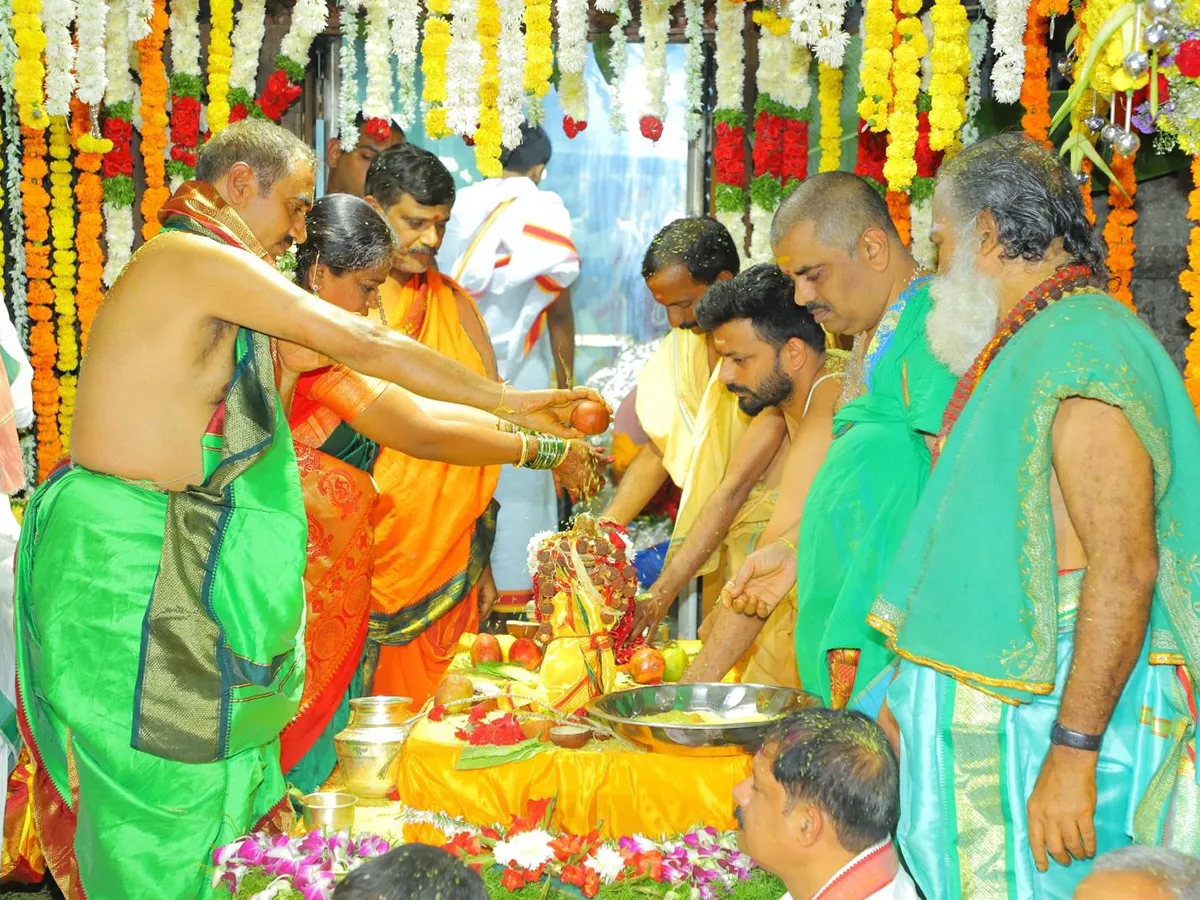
<point x="269" y="150"/>
<point x="1180" y="873"/>
<point x="840" y="204"/>
<point x="1031" y="193"/>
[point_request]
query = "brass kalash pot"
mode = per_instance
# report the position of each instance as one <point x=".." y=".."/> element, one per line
<point x="368" y="750"/>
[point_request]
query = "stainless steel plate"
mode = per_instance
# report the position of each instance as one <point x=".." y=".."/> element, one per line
<point x="625" y="712"/>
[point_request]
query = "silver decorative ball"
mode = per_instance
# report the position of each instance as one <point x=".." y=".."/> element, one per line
<point x="1126" y="143"/>
<point x="1082" y="178"/>
<point x="1137" y="63"/>
<point x="1158" y="8"/>
<point x="1094" y="123"/>
<point x="1157" y="34"/>
<point x="1110" y="132"/>
<point x="1065" y="66"/>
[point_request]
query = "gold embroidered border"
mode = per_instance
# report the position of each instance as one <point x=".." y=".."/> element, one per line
<point x="978" y="800"/>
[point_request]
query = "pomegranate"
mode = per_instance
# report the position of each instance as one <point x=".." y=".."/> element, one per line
<point x="647" y="666"/>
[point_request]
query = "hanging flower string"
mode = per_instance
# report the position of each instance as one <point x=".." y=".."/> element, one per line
<point x="510" y="58"/>
<point x="829" y="99"/>
<point x="900" y="166"/>
<point x="154" y="119"/>
<point x="463" y="68"/>
<point x="729" y="153"/>
<point x="57" y="18"/>
<point x="539" y="59"/>
<point x="693" y="67"/>
<point x="950" y="61"/>
<point x="406" y="37"/>
<point x="248" y="33"/>
<point x="28" y="72"/>
<point x="572" y="58"/>
<point x="977" y="43"/>
<point x="488" y="135"/>
<point x="655" y="26"/>
<point x="186" y="85"/>
<point x="1118" y="228"/>
<point x="1035" y="88"/>
<point x="90" y="53"/>
<point x="89" y="196"/>
<point x="434" y="48"/>
<point x="11" y="183"/>
<point x="309" y="18"/>
<point x="376" y="110"/>
<point x="220" y="60"/>
<point x="618" y="60"/>
<point x="348" y="60"/>
<point x="62" y="235"/>
<point x="879" y="25"/>
<point x="1189" y="280"/>
<point x="117" y="127"/>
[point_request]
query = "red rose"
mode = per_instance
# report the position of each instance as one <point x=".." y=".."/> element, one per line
<point x="571" y="128"/>
<point x="729" y="155"/>
<point x="1187" y="58"/>
<point x="768" y="145"/>
<point x="1141" y="95"/>
<point x="238" y="112"/>
<point x="794" y="164"/>
<point x="378" y="129"/>
<point x="928" y="161"/>
<point x="652" y="127"/>
<point x="872" y="152"/>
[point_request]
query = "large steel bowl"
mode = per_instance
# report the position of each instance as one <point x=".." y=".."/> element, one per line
<point x="625" y="712"/>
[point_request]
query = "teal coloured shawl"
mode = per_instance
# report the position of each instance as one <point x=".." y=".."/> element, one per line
<point x="974" y="590"/>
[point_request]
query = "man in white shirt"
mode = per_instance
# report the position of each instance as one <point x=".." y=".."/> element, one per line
<point x="820" y="807"/>
<point x="508" y="244"/>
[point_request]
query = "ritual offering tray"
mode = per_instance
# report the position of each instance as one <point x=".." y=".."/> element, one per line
<point x="699" y="719"/>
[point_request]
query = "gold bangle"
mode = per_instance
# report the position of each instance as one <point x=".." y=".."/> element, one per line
<point x="500" y="407"/>
<point x="524" y="450"/>
<point x="787" y="544"/>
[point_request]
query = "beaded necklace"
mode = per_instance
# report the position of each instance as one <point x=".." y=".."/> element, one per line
<point x="1066" y="281"/>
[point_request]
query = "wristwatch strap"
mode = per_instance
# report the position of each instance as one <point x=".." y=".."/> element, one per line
<point x="1076" y="740"/>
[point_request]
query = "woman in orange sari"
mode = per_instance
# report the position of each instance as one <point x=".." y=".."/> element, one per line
<point x="339" y="420"/>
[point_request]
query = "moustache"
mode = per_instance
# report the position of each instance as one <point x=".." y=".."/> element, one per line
<point x="422" y="251"/>
<point x="739" y="390"/>
<point x="815" y="308"/>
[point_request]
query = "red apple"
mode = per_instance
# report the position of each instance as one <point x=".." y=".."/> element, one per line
<point x="454" y="689"/>
<point x="590" y="417"/>
<point x="486" y="649"/>
<point x="526" y="654"/>
<point x="647" y="665"/>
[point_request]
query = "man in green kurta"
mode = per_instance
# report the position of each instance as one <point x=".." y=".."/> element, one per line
<point x="159" y="600"/>
<point x="1045" y="600"/>
<point x="834" y="236"/>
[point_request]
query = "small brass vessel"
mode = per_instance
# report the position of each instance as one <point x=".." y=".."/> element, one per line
<point x="328" y="811"/>
<point x="368" y="750"/>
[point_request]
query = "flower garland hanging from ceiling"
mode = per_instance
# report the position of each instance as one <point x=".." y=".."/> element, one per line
<point x="348" y="61"/>
<point x="1118" y="228"/>
<point x="977" y="44"/>
<point x="829" y="102"/>
<point x="654" y="29"/>
<point x="11" y="183"/>
<point x="900" y="166"/>
<point x="950" y="64"/>
<point x="309" y="18"/>
<point x="154" y="119"/>
<point x="57" y="18"/>
<point x="539" y="58"/>
<point x="62" y="235"/>
<point x="89" y="193"/>
<point x="817" y="25"/>
<point x="1008" y="69"/>
<point x="1189" y="280"/>
<point x="572" y="58"/>
<point x="1035" y="85"/>
<point x="220" y="61"/>
<point x="248" y="32"/>
<point x="729" y="152"/>
<point x="406" y="38"/>
<point x="488" y="135"/>
<point x="138" y="24"/>
<point x="186" y="85"/>
<point x="434" y="49"/>
<point x="618" y="60"/>
<point x="693" y="67"/>
<point x="117" y="166"/>
<point x="879" y="25"/>
<point x="28" y="72"/>
<point x="464" y="64"/>
<point x="510" y="58"/>
<point x="89" y="52"/>
<point x="377" y="106"/>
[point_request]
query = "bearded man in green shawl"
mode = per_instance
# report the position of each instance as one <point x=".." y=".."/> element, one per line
<point x="834" y="237"/>
<point x="1045" y="600"/>
<point x="159" y="598"/>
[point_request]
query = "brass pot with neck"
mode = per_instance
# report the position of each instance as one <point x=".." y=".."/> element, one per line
<point x="368" y="750"/>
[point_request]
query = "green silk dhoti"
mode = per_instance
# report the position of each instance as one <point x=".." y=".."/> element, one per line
<point x="159" y="653"/>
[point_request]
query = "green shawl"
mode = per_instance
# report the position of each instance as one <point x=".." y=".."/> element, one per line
<point x="974" y="591"/>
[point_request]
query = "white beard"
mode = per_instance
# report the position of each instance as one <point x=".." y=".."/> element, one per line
<point x="966" y="310"/>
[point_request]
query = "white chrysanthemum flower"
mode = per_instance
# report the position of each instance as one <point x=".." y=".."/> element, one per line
<point x="309" y="18"/>
<point x="654" y="30"/>
<point x="731" y="55"/>
<point x="607" y="863"/>
<point x="348" y="96"/>
<point x="378" y="53"/>
<point x="1008" y="72"/>
<point x="831" y="48"/>
<point x="510" y="56"/>
<point x="694" y="67"/>
<point x="118" y="237"/>
<point x="619" y="60"/>
<point x="57" y="19"/>
<point x="137" y="24"/>
<point x="529" y="850"/>
<point x="572" y="18"/>
<point x="119" y="84"/>
<point x="89" y="58"/>
<point x="406" y="37"/>
<point x="464" y="66"/>
<point x="247" y="40"/>
<point x="977" y="42"/>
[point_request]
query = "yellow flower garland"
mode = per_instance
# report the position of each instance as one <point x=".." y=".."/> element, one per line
<point x="220" y="58"/>
<point x="434" y="47"/>
<point x="489" y="133"/>
<point x="879" y="23"/>
<point x="62" y="234"/>
<point x="829" y="96"/>
<point x="28" y="72"/>
<point x="951" y="63"/>
<point x="1190" y="282"/>
<point x="901" y="166"/>
<point x="539" y="57"/>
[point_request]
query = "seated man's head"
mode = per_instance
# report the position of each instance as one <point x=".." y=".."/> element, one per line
<point x="683" y="261"/>
<point x="833" y="235"/>
<point x="824" y="787"/>
<point x="348" y="168"/>
<point x="1147" y="873"/>
<point x="266" y="174"/>
<point x="347" y="254"/>
<point x="767" y="343"/>
<point x="415" y="192"/>
<point x="1004" y="208"/>
<point x="530" y="157"/>
<point x="414" y="870"/>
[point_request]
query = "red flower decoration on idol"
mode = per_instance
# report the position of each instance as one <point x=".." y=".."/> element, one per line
<point x="1141" y="95"/>
<point x="651" y="126"/>
<point x="571" y="127"/>
<point x="1187" y="59"/>
<point x="378" y="129"/>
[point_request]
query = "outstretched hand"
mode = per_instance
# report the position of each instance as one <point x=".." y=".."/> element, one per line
<point x="764" y="579"/>
<point x="648" y="611"/>
<point x="548" y="411"/>
<point x="581" y="473"/>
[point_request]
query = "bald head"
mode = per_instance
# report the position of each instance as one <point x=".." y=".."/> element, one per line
<point x="1148" y="873"/>
<point x="841" y="205"/>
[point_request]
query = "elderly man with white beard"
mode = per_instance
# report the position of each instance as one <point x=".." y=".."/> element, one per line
<point x="1045" y="599"/>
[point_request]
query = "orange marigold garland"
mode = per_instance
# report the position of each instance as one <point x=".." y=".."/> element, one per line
<point x="1035" y="89"/>
<point x="89" y="196"/>
<point x="1118" y="228"/>
<point x="1190" y="282"/>
<point x="897" y="202"/>
<point x="154" y="119"/>
<point x="43" y="350"/>
<point x="62" y="235"/>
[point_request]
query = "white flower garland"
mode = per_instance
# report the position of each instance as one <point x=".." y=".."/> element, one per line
<point x="185" y="49"/>
<point x="654" y="30"/>
<point x="11" y="184"/>
<point x="464" y="66"/>
<point x="1008" y="71"/>
<point x="378" y="101"/>
<point x="348" y="95"/>
<point x="118" y="220"/>
<point x="977" y="42"/>
<point x="693" y="66"/>
<point x="795" y="86"/>
<point x="248" y="34"/>
<point x="572" y="57"/>
<point x="510" y="53"/>
<point x="89" y="54"/>
<point x="731" y="85"/>
<point x="921" y="215"/>
<point x="817" y="24"/>
<point x="57" y="18"/>
<point x="309" y="18"/>
<point x="618" y="60"/>
<point x="137" y="24"/>
<point x="406" y="37"/>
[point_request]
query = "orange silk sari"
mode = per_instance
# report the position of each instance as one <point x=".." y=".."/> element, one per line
<point x="339" y="497"/>
<point x="433" y="533"/>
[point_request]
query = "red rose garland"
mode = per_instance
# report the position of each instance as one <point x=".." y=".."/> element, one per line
<point x="872" y="154"/>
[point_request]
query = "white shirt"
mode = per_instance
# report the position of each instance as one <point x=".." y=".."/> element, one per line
<point x="840" y="886"/>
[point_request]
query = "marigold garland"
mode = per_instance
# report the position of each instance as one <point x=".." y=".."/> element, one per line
<point x="62" y="234"/>
<point x="1189" y="280"/>
<point x="539" y="58"/>
<point x="897" y="202"/>
<point x="434" y="47"/>
<point x="829" y="98"/>
<point x="28" y="72"/>
<point x="154" y="119"/>
<point x="89" y="196"/>
<point x="879" y="25"/>
<point x="900" y="167"/>
<point x="1048" y="8"/>
<point x="220" y="61"/>
<point x="43" y="349"/>
<point x="488" y="135"/>
<point x="1035" y="88"/>
<point x="950" y="61"/>
<point x="1118" y="228"/>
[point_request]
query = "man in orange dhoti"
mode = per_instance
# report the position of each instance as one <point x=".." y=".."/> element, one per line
<point x="435" y="522"/>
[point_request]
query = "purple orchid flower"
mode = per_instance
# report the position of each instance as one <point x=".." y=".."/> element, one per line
<point x="251" y="853"/>
<point x="314" y="841"/>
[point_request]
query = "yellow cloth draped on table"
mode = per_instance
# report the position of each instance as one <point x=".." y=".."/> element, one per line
<point x="433" y="522"/>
